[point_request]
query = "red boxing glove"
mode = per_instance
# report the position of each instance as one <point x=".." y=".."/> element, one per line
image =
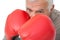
<point x="14" y="21"/>
<point x="40" y="27"/>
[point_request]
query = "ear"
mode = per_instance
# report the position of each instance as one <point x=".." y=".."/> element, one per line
<point x="52" y="8"/>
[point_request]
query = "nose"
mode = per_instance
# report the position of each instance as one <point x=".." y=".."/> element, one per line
<point x="32" y="14"/>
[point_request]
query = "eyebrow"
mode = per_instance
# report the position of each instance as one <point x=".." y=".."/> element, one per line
<point x="40" y="10"/>
<point x="29" y="9"/>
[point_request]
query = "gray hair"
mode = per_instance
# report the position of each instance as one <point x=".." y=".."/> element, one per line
<point x="50" y="2"/>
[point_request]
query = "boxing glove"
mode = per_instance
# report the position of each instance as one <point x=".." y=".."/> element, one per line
<point x="39" y="27"/>
<point x="14" y="21"/>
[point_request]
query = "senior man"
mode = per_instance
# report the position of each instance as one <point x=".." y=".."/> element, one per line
<point x="46" y="7"/>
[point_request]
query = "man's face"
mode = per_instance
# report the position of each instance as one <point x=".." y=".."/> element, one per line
<point x="37" y="6"/>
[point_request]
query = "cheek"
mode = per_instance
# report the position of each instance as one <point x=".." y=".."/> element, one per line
<point x="47" y="12"/>
<point x="31" y="14"/>
<point x="28" y="12"/>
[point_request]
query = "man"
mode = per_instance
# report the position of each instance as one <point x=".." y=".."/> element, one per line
<point x="46" y="7"/>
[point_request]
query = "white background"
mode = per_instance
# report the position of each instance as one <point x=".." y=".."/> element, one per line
<point x="7" y="6"/>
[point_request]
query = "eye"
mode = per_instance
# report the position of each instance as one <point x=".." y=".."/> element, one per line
<point x="29" y="10"/>
<point x="40" y="11"/>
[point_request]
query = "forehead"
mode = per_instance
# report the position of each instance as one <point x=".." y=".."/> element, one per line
<point x="33" y="1"/>
<point x="36" y="3"/>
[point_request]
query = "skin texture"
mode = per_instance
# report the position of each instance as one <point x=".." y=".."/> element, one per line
<point x="34" y="7"/>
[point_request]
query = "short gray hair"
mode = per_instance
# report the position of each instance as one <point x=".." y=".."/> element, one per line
<point x="50" y="3"/>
